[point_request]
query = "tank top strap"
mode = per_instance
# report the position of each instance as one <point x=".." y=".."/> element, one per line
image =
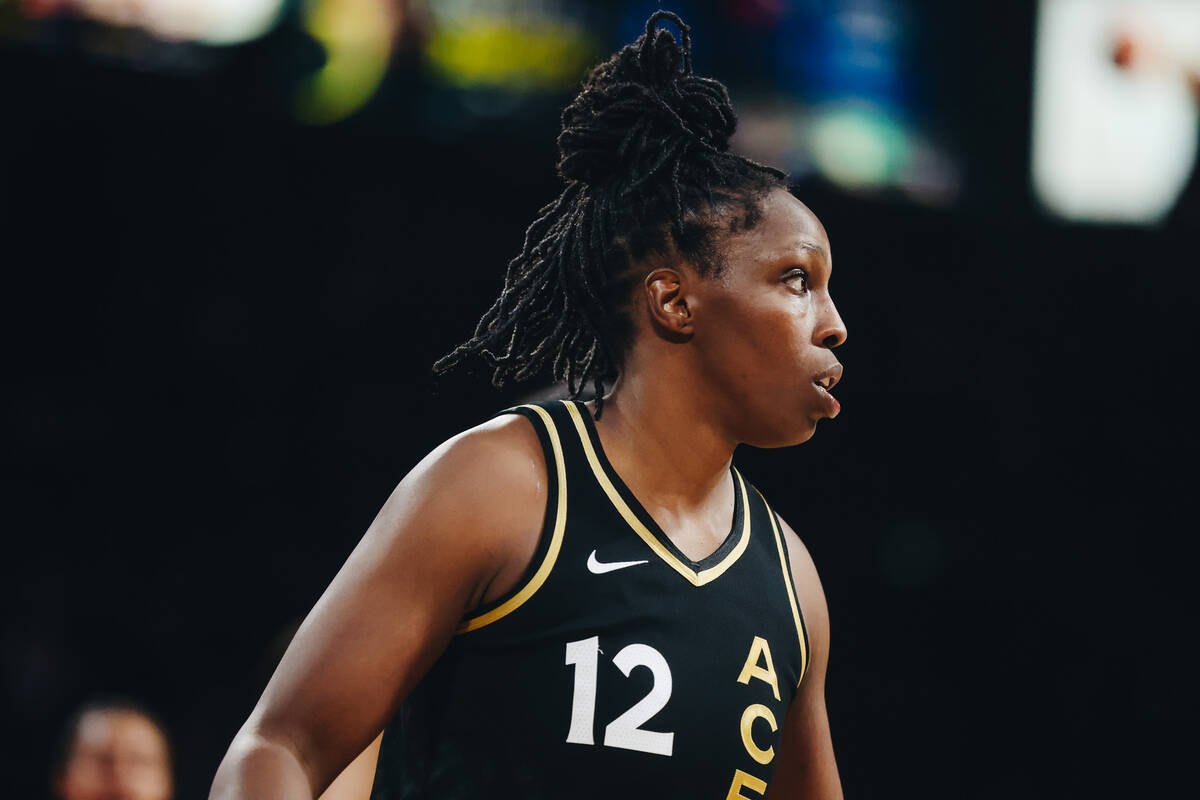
<point x="564" y="421"/>
<point x="767" y="521"/>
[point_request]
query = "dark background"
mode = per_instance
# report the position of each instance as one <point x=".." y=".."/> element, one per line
<point x="219" y="325"/>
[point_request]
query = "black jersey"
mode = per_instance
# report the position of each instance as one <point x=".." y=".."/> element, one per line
<point x="617" y="667"/>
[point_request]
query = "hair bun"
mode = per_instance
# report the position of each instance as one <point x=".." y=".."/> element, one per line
<point x="640" y="106"/>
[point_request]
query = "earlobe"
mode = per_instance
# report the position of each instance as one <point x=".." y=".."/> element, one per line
<point x="667" y="304"/>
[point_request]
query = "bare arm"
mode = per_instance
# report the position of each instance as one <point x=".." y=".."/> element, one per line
<point x="457" y="531"/>
<point x="356" y="780"/>
<point x="807" y="768"/>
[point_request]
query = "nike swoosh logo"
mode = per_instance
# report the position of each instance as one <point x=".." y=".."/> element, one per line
<point x="599" y="568"/>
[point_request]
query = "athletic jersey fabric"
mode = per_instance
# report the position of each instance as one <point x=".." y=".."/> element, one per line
<point x="618" y="667"/>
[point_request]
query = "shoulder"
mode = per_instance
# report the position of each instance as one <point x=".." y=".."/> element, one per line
<point x="505" y="449"/>
<point x="478" y="499"/>
<point x="495" y="470"/>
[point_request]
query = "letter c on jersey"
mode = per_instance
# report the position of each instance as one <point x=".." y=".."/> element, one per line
<point x="757" y="711"/>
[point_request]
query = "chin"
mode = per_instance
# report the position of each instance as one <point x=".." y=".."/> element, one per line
<point x="785" y="436"/>
<point x="804" y="435"/>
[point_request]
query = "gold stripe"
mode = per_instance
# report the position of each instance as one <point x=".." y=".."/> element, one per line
<point x="560" y="523"/>
<point x="693" y="577"/>
<point x="791" y="592"/>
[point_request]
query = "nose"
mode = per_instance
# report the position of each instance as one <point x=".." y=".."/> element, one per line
<point x="832" y="331"/>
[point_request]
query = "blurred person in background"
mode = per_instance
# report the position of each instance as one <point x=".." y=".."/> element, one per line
<point x="518" y="621"/>
<point x="113" y="750"/>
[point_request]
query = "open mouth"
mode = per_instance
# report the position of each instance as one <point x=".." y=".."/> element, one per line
<point x="824" y="382"/>
<point x="829" y="378"/>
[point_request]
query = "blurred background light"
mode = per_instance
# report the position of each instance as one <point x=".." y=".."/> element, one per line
<point x="857" y="145"/>
<point x="851" y="49"/>
<point x="837" y="95"/>
<point x="513" y="46"/>
<point x="836" y="90"/>
<point x="357" y="37"/>
<point x="215" y="22"/>
<point x="1114" y="124"/>
<point x="112" y="12"/>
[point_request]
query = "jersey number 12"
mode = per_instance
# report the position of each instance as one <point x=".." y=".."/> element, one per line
<point x="624" y="731"/>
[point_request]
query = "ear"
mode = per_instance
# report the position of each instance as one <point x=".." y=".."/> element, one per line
<point x="666" y="303"/>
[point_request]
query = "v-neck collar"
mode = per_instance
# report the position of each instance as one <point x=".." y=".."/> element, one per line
<point x="635" y="515"/>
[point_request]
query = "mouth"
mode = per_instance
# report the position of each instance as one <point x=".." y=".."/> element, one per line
<point x="828" y="378"/>
<point x="825" y="381"/>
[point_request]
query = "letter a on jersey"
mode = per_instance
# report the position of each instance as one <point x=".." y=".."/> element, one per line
<point x="759" y="649"/>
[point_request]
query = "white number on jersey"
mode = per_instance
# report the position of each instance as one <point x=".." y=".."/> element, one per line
<point x="625" y="731"/>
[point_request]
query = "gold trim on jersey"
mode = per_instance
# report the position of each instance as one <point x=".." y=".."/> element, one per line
<point x="693" y="577"/>
<point x="791" y="590"/>
<point x="560" y="523"/>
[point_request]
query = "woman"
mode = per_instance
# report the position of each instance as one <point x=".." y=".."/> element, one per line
<point x="113" y="748"/>
<point x="585" y="599"/>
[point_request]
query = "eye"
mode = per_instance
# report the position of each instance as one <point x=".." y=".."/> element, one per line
<point x="797" y="279"/>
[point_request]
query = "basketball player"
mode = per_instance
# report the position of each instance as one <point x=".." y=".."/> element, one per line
<point x="587" y="600"/>
<point x="113" y="750"/>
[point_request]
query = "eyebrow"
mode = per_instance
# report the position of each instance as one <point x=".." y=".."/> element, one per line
<point x="813" y="247"/>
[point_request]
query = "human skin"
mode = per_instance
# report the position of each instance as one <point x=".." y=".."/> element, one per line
<point x="116" y="755"/>
<point x="355" y="781"/>
<point x="715" y="361"/>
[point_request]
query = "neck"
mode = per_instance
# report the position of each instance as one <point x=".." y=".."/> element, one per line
<point x="665" y="439"/>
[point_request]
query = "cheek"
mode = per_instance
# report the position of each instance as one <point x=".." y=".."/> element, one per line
<point x="764" y="345"/>
<point x="774" y="336"/>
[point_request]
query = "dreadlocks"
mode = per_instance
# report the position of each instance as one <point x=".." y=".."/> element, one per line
<point x="644" y="153"/>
